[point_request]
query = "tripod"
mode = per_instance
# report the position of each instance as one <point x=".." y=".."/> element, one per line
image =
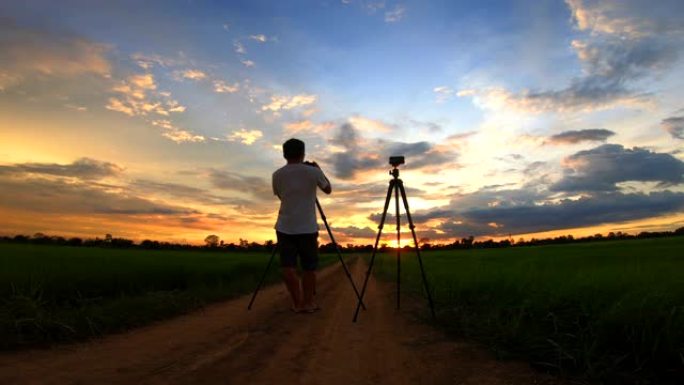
<point x="339" y="255"/>
<point x="396" y="185"/>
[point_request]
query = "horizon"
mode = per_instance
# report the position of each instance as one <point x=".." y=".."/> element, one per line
<point x="164" y="120"/>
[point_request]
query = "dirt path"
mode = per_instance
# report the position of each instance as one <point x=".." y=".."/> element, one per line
<point x="225" y="344"/>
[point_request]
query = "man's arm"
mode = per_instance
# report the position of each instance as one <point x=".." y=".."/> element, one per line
<point x="273" y="185"/>
<point x="323" y="183"/>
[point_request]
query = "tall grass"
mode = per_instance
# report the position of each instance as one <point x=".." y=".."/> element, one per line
<point x="611" y="311"/>
<point x="58" y="293"/>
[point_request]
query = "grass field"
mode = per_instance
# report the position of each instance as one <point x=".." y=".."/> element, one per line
<point x="61" y="293"/>
<point x="608" y="311"/>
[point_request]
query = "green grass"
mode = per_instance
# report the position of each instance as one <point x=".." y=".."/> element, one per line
<point x="611" y="312"/>
<point x="53" y="294"/>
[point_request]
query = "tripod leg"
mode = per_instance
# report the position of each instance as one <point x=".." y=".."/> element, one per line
<point x="396" y="207"/>
<point x="263" y="277"/>
<point x="375" y="248"/>
<point x="339" y="253"/>
<point x="415" y="242"/>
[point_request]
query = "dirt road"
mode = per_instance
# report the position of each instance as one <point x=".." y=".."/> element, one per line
<point x="225" y="344"/>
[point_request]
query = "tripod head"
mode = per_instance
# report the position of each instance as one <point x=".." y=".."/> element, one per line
<point x="395" y="161"/>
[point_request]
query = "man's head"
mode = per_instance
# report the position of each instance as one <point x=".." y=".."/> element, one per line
<point x="293" y="150"/>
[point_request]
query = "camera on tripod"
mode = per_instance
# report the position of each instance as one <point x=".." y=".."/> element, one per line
<point x="395" y="161"/>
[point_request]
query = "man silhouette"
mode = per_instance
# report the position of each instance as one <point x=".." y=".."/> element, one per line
<point x="295" y="184"/>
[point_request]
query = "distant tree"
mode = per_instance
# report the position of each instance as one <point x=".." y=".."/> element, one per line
<point x="212" y="240"/>
<point x="74" y="241"/>
<point x="244" y="244"/>
<point x="108" y="238"/>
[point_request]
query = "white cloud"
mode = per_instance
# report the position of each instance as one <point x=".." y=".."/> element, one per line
<point x="307" y="126"/>
<point x="191" y="74"/>
<point x="443" y="93"/>
<point x="245" y="136"/>
<point x="222" y="87"/>
<point x="396" y="14"/>
<point x="368" y="125"/>
<point x="260" y="38"/>
<point x="138" y="96"/>
<point x="239" y="48"/>
<point x="176" y="134"/>
<point x="247" y="63"/>
<point x="279" y="103"/>
<point x="606" y="18"/>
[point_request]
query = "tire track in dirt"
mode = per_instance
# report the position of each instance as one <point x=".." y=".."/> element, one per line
<point x="226" y="344"/>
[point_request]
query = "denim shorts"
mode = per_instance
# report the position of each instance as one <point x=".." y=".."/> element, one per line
<point x="303" y="245"/>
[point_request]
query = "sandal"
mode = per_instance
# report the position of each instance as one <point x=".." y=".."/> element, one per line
<point x="312" y="309"/>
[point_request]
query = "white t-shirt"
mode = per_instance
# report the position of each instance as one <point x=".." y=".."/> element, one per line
<point x="295" y="184"/>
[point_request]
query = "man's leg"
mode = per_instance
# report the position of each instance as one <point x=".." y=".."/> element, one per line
<point x="288" y="262"/>
<point x="308" y="286"/>
<point x="308" y="250"/>
<point x="292" y="283"/>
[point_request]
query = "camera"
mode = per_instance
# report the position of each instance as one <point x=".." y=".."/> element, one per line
<point x="396" y="160"/>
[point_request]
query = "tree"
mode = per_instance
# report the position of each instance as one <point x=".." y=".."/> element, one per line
<point x="212" y="240"/>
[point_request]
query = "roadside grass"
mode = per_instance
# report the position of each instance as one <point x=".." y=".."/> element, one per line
<point x="51" y="294"/>
<point x="610" y="312"/>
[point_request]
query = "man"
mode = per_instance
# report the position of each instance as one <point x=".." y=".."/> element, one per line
<point x="295" y="184"/>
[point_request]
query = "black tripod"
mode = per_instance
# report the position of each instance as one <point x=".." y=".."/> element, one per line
<point x="339" y="255"/>
<point x="396" y="185"/>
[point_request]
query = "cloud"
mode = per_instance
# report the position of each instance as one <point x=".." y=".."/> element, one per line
<point x="354" y="154"/>
<point x="222" y="87"/>
<point x="239" y="48"/>
<point x="396" y="14"/>
<point x="622" y="49"/>
<point x="245" y="136"/>
<point x="674" y="126"/>
<point x="279" y="102"/>
<point x="83" y="168"/>
<point x="630" y="19"/>
<point x="601" y="168"/>
<point x="307" y="126"/>
<point x="138" y="96"/>
<point x="191" y="74"/>
<point x="231" y="181"/>
<point x="176" y="134"/>
<point x="60" y="196"/>
<point x="489" y="212"/>
<point x="352" y="232"/>
<point x="28" y="54"/>
<point x="184" y="192"/>
<point x="586" y="211"/>
<point x="370" y="125"/>
<point x="248" y="63"/>
<point x="260" y="38"/>
<point x="8" y="80"/>
<point x="443" y="93"/>
<point x="577" y="136"/>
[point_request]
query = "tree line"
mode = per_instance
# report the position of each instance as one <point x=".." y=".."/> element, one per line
<point x="214" y="243"/>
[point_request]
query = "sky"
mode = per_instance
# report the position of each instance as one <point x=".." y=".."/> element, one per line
<point x="165" y="119"/>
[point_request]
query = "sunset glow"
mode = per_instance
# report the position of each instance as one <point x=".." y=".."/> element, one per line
<point x="164" y="120"/>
